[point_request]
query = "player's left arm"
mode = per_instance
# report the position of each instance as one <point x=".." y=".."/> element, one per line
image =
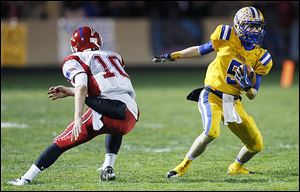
<point x="264" y="66"/>
<point x="251" y="93"/>
<point x="80" y="81"/>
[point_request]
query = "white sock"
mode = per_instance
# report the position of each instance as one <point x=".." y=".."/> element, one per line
<point x="31" y="173"/>
<point x="110" y="159"/>
<point x="244" y="155"/>
<point x="198" y="146"/>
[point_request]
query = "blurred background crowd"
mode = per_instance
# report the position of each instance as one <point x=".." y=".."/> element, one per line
<point x="282" y="17"/>
<point x="283" y="12"/>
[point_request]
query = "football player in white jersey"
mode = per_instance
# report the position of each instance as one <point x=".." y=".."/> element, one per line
<point x="101" y="82"/>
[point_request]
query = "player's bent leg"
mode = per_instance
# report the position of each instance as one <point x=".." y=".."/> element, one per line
<point x="244" y="156"/>
<point x="115" y="129"/>
<point x="87" y="133"/>
<point x="196" y="149"/>
<point x="112" y="145"/>
<point x="117" y="126"/>
<point x="46" y="159"/>
<point x="249" y="134"/>
<point x="209" y="107"/>
<point x="60" y="144"/>
<point x="237" y="167"/>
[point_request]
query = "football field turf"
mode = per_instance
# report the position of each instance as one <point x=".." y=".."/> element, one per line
<point x="166" y="129"/>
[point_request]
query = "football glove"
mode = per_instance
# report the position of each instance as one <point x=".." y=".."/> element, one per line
<point x="162" y="58"/>
<point x="242" y="77"/>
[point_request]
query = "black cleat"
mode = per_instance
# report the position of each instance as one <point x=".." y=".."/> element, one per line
<point x="171" y="174"/>
<point x="108" y="174"/>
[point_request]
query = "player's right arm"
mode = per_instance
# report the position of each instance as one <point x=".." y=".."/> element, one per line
<point x="195" y="51"/>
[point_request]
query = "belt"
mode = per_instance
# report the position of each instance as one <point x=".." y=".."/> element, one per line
<point x="220" y="94"/>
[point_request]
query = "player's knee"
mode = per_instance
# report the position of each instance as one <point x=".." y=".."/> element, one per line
<point x="213" y="134"/>
<point x="124" y="129"/>
<point x="258" y="145"/>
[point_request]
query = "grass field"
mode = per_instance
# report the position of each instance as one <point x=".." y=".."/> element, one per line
<point x="167" y="127"/>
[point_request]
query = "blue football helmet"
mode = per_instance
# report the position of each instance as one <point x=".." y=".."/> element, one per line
<point x="249" y="25"/>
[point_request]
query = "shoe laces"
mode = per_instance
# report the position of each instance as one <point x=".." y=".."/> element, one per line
<point x="110" y="171"/>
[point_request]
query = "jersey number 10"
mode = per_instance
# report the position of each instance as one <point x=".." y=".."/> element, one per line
<point x="112" y="61"/>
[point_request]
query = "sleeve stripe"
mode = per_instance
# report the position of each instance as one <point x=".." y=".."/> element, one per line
<point x="265" y="63"/>
<point x="265" y="54"/>
<point x="265" y="58"/>
<point x="225" y="32"/>
<point x="222" y="32"/>
<point x="229" y="31"/>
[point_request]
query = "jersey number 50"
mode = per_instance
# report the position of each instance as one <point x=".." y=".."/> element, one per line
<point x="233" y="64"/>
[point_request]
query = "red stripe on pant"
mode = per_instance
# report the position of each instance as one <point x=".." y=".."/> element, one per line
<point x="110" y="126"/>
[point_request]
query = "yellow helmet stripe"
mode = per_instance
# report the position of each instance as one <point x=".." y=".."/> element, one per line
<point x="261" y="15"/>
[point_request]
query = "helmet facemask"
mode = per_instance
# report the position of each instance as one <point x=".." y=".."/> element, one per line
<point x="251" y="32"/>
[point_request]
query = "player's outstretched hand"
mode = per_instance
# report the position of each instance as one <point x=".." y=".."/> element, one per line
<point x="162" y="58"/>
<point x="59" y="91"/>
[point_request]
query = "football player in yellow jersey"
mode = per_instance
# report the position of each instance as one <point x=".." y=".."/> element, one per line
<point x="226" y="79"/>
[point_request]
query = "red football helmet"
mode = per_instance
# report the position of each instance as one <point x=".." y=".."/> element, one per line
<point x="85" y="38"/>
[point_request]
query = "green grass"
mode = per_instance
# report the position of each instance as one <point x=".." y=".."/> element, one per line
<point x="167" y="127"/>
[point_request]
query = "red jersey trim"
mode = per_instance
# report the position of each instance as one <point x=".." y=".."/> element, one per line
<point x="93" y="87"/>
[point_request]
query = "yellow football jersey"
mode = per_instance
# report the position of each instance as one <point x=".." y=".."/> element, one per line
<point x="231" y="54"/>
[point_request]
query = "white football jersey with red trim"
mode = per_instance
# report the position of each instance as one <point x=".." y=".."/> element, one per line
<point x="106" y="75"/>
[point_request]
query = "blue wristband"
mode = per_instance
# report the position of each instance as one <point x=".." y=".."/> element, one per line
<point x="206" y="48"/>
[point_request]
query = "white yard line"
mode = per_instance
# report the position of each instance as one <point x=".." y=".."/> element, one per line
<point x="154" y="150"/>
<point x="13" y="125"/>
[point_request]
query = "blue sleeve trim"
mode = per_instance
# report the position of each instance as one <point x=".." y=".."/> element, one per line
<point x="258" y="82"/>
<point x="222" y="31"/>
<point x="225" y="32"/>
<point x="265" y="59"/>
<point x="206" y="48"/>
<point x="228" y="34"/>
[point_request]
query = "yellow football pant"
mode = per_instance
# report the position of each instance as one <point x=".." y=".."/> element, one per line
<point x="211" y="109"/>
